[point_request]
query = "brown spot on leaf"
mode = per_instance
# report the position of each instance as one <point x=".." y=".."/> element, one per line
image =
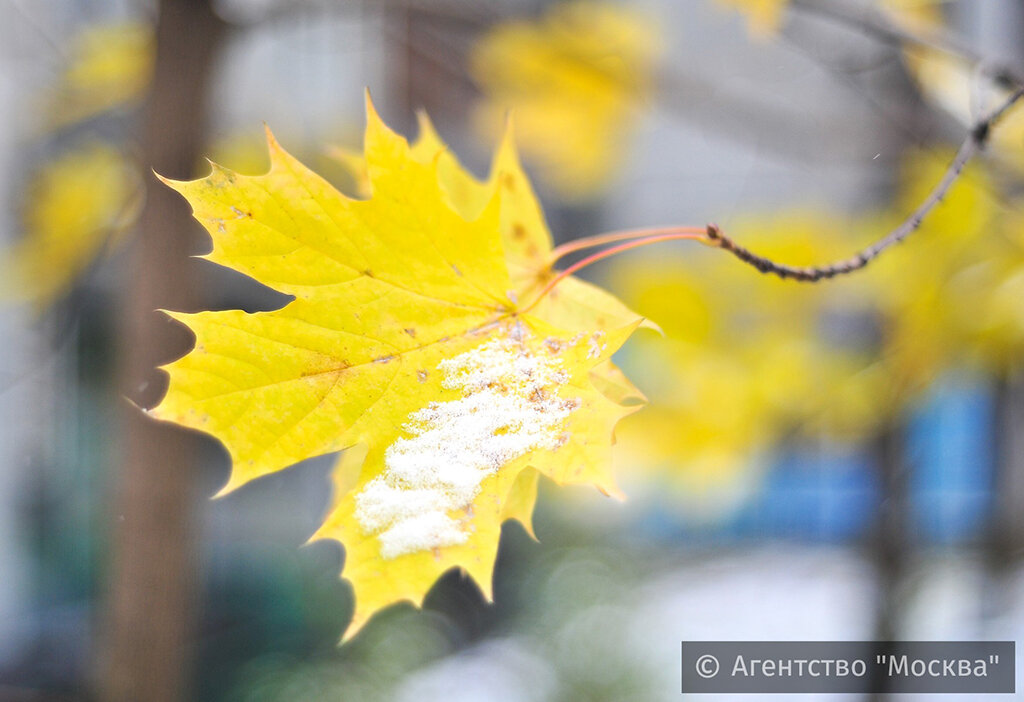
<point x="410" y="331"/>
<point x="518" y="231"/>
<point x="422" y="375"/>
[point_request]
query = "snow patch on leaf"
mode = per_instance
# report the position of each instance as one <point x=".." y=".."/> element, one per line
<point x="510" y="408"/>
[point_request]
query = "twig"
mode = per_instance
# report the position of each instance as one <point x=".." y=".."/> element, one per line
<point x="57" y="46"/>
<point x="876" y="25"/>
<point x="677" y="234"/>
<point x="975" y="141"/>
<point x="613" y="237"/>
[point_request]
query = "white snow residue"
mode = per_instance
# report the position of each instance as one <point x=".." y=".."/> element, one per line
<point x="510" y="407"/>
<point x="596" y="347"/>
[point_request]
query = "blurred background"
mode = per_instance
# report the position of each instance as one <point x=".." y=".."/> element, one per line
<point x="833" y="461"/>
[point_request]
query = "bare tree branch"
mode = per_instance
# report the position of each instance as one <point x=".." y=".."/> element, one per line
<point x="875" y="24"/>
<point x="975" y="141"/>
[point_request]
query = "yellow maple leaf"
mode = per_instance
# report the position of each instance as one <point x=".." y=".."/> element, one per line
<point x="574" y="79"/>
<point x="526" y="240"/>
<point x="74" y="206"/>
<point x="409" y="338"/>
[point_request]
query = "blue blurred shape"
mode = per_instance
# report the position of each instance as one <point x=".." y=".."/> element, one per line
<point x="818" y="495"/>
<point x="949" y="446"/>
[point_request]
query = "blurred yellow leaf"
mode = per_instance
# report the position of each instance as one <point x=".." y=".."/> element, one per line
<point x="752" y="359"/>
<point x="749" y="360"/>
<point x="946" y="296"/>
<point x="765" y="16"/>
<point x="915" y="15"/>
<point x="109" y="66"/>
<point x="575" y="80"/>
<point x="702" y="435"/>
<point x="409" y="338"/>
<point x="73" y="207"/>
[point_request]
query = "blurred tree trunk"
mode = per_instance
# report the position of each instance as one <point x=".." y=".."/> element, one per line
<point x="145" y="632"/>
<point x="891" y="543"/>
<point x="1004" y="544"/>
<point x="1001" y="26"/>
